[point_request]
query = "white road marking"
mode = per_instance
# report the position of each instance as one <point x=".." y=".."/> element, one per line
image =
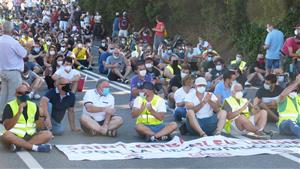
<point x="100" y="76"/>
<point x="29" y="160"/>
<point x="112" y="85"/>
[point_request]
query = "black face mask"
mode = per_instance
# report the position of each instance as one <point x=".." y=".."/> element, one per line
<point x="23" y="98"/>
<point x="175" y="63"/>
<point x="66" y="88"/>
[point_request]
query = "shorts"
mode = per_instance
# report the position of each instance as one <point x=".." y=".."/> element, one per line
<point x="89" y="130"/>
<point x="272" y="63"/>
<point x="156" y="128"/>
<point x="208" y="125"/>
<point x="113" y="77"/>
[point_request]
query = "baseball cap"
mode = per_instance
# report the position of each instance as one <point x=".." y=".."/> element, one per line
<point x="200" y="81"/>
<point x="148" y="85"/>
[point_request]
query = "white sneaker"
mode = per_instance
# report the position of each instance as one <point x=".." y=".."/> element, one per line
<point x="30" y="95"/>
<point x="36" y="96"/>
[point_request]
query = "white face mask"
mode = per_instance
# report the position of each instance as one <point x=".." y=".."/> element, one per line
<point x="293" y="95"/>
<point x="59" y="63"/>
<point x="296" y="32"/>
<point x="142" y="94"/>
<point x="183" y="75"/>
<point x="68" y="68"/>
<point x="268" y="30"/>
<point x="52" y="53"/>
<point x="267" y="87"/>
<point x="48" y="43"/>
<point x="238" y="59"/>
<point x="201" y="89"/>
<point x="79" y="45"/>
<point x="209" y="58"/>
<point x="219" y="67"/>
<point x="26" y="76"/>
<point x="116" y="57"/>
<point x="103" y="44"/>
<point x="239" y="95"/>
<point x="148" y="65"/>
<point x="143" y="73"/>
<point x="280" y="78"/>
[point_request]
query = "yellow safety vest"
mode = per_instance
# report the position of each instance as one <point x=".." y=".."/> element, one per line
<point x="22" y="126"/>
<point x="145" y="117"/>
<point x="233" y="103"/>
<point x="46" y="47"/>
<point x="169" y="67"/>
<point x="290" y="111"/>
<point x="242" y="65"/>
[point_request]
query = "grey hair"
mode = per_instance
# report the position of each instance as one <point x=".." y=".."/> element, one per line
<point x="235" y="84"/>
<point x="100" y="81"/>
<point x="8" y="27"/>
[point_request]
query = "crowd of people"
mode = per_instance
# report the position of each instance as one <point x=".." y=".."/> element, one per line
<point x="49" y="42"/>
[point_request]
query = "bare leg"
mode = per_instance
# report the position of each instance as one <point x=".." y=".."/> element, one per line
<point x="143" y="130"/>
<point x="260" y="119"/>
<point x="74" y="86"/>
<point x="11" y="138"/>
<point x="194" y="122"/>
<point x="127" y="71"/>
<point x="221" y="121"/>
<point x="118" y="73"/>
<point x="90" y="123"/>
<point x="41" y="138"/>
<point x="166" y="130"/>
<point x="251" y="76"/>
<point x="115" y="123"/>
<point x="242" y="123"/>
<point x="37" y="83"/>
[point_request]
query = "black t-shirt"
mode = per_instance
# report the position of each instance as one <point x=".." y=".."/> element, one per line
<point x="154" y="73"/>
<point x="263" y="93"/>
<point x="59" y="105"/>
<point x="258" y="65"/>
<point x="8" y="113"/>
<point x="175" y="82"/>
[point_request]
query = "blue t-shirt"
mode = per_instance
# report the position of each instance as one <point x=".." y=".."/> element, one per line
<point x="116" y="24"/>
<point x="59" y="105"/>
<point x="275" y="40"/>
<point x="136" y="81"/>
<point x="103" y="57"/>
<point x="222" y="91"/>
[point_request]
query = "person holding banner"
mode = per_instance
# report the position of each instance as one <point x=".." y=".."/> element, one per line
<point x="204" y="116"/>
<point x="239" y="116"/>
<point x="289" y="110"/>
<point x="149" y="109"/>
<point x="98" y="116"/>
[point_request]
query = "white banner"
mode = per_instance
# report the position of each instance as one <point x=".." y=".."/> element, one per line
<point x="217" y="146"/>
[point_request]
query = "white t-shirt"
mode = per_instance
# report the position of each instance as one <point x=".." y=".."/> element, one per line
<point x="180" y="95"/>
<point x="62" y="73"/>
<point x="159" y="107"/>
<point x="92" y="96"/>
<point x="206" y="111"/>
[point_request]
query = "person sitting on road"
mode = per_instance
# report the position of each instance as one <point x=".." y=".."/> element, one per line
<point x="239" y="117"/>
<point x="204" y="116"/>
<point x="242" y="65"/>
<point x="222" y="89"/>
<point x="257" y="72"/>
<point x="35" y="82"/>
<point x="150" y="111"/>
<point x="267" y="97"/>
<point x="180" y="97"/>
<point x="118" y="67"/>
<point x="55" y="103"/>
<point x="82" y="56"/>
<point x="98" y="116"/>
<point x="138" y="80"/>
<point x="288" y="109"/>
<point x="66" y="71"/>
<point x="22" y="119"/>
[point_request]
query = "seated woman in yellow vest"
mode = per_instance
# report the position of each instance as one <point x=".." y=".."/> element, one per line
<point x="239" y="116"/>
<point x="82" y="56"/>
<point x="150" y="109"/>
<point x="239" y="62"/>
<point x="289" y="110"/>
<point x="21" y="119"/>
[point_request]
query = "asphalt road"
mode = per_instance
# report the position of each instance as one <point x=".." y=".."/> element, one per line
<point x="127" y="134"/>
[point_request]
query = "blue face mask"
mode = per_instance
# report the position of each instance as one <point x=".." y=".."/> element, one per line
<point x="105" y="91"/>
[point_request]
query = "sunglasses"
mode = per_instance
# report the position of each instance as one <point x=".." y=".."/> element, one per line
<point x="23" y="93"/>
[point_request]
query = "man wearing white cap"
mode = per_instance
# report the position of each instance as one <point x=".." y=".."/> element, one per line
<point x="204" y="116"/>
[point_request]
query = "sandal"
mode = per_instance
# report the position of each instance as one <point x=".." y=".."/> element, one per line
<point x="111" y="133"/>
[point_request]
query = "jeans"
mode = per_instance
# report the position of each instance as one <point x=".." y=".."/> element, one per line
<point x="179" y="113"/>
<point x="272" y="63"/>
<point x="57" y="128"/>
<point x="290" y="127"/>
<point x="10" y="80"/>
<point x="157" y="41"/>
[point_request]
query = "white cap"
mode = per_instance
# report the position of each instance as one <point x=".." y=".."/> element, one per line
<point x="200" y="81"/>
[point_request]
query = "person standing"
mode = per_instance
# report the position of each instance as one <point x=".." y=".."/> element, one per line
<point x="159" y="33"/>
<point x="273" y="44"/>
<point x="11" y="65"/>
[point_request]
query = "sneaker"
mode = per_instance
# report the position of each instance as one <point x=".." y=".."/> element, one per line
<point x="90" y="68"/>
<point x="166" y="138"/>
<point x="44" y="148"/>
<point x="125" y="81"/>
<point x="151" y="138"/>
<point x="247" y="84"/>
<point x="183" y="129"/>
<point x="36" y="96"/>
<point x="13" y="148"/>
<point x="120" y="80"/>
<point x="30" y="95"/>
